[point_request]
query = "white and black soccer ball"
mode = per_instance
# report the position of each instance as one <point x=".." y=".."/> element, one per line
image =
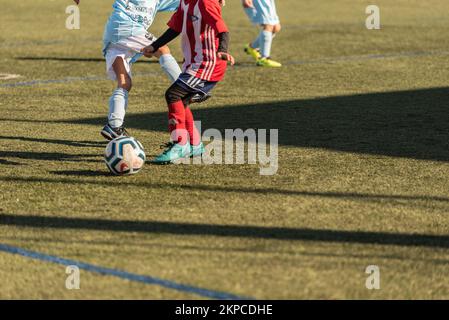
<point x="124" y="156"/>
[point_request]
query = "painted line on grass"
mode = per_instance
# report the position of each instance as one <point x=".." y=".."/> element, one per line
<point x="38" y="43"/>
<point x="50" y="81"/>
<point x="9" y="76"/>
<point x="411" y="54"/>
<point x="67" y="80"/>
<point x="121" y="274"/>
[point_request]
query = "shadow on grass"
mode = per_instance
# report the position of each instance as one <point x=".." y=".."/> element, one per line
<point x="10" y="163"/>
<point x="217" y="188"/>
<point x="89" y="144"/>
<point x="83" y="173"/>
<point x="411" y="124"/>
<point x="193" y="229"/>
<point x="49" y="156"/>
<point x="141" y="247"/>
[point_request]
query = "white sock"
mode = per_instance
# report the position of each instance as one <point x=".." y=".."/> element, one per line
<point x="170" y="66"/>
<point x="265" y="43"/>
<point x="118" y="104"/>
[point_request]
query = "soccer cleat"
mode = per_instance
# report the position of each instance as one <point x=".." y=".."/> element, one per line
<point x="197" y="151"/>
<point x="252" y="52"/>
<point x="110" y="133"/>
<point x="173" y="152"/>
<point x="267" y="62"/>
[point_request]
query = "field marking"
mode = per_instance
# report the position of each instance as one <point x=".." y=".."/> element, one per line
<point x="9" y="76"/>
<point x="410" y="54"/>
<point x="366" y="57"/>
<point x="68" y="79"/>
<point x="37" y="43"/>
<point x="121" y="274"/>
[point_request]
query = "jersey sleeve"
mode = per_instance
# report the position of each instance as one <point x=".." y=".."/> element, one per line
<point x="176" y="22"/>
<point x="212" y="15"/>
<point x="168" y="5"/>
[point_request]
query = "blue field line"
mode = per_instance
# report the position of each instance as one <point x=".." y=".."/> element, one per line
<point x="122" y="274"/>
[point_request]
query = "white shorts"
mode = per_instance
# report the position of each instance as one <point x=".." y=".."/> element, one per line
<point x="127" y="49"/>
<point x="264" y="12"/>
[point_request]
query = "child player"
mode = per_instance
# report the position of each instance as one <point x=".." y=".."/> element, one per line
<point x="263" y="13"/>
<point x="205" y="40"/>
<point x="124" y="36"/>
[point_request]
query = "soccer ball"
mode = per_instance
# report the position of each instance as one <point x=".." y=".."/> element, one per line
<point x="124" y="155"/>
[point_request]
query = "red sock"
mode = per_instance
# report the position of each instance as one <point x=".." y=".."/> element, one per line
<point x="194" y="135"/>
<point x="176" y="122"/>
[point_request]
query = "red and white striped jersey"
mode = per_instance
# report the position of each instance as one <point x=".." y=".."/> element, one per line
<point x="200" y="22"/>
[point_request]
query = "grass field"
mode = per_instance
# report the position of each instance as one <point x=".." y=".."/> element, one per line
<point x="363" y="160"/>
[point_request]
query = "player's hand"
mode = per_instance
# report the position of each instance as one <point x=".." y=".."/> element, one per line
<point x="222" y="2"/>
<point x="247" y="3"/>
<point x="148" y="51"/>
<point x="77" y="2"/>
<point x="227" y="57"/>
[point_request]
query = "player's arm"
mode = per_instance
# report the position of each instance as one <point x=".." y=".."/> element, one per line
<point x="223" y="45"/>
<point x="77" y="2"/>
<point x="174" y="30"/>
<point x="214" y="18"/>
<point x="168" y="36"/>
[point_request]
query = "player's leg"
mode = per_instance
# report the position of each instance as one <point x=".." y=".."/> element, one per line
<point x="196" y="146"/>
<point x="276" y="29"/>
<point x="168" y="63"/>
<point x="179" y="146"/>
<point x="202" y="89"/>
<point x="176" y="113"/>
<point x="252" y="48"/>
<point x="267" y="35"/>
<point x="267" y="18"/>
<point x="185" y="137"/>
<point x="272" y="29"/>
<point x="118" y="69"/>
<point x="266" y="40"/>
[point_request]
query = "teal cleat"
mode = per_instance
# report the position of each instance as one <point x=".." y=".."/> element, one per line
<point x="173" y="152"/>
<point x="197" y="151"/>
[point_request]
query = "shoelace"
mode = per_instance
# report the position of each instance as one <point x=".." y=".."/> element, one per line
<point x="167" y="146"/>
<point x="120" y="131"/>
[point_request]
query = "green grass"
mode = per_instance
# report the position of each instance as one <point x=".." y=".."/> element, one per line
<point x="363" y="160"/>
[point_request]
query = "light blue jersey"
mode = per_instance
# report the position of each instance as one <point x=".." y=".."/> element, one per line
<point x="132" y="18"/>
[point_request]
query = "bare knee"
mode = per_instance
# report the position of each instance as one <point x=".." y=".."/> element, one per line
<point x="268" y="27"/>
<point x="277" y="28"/>
<point x="124" y="81"/>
